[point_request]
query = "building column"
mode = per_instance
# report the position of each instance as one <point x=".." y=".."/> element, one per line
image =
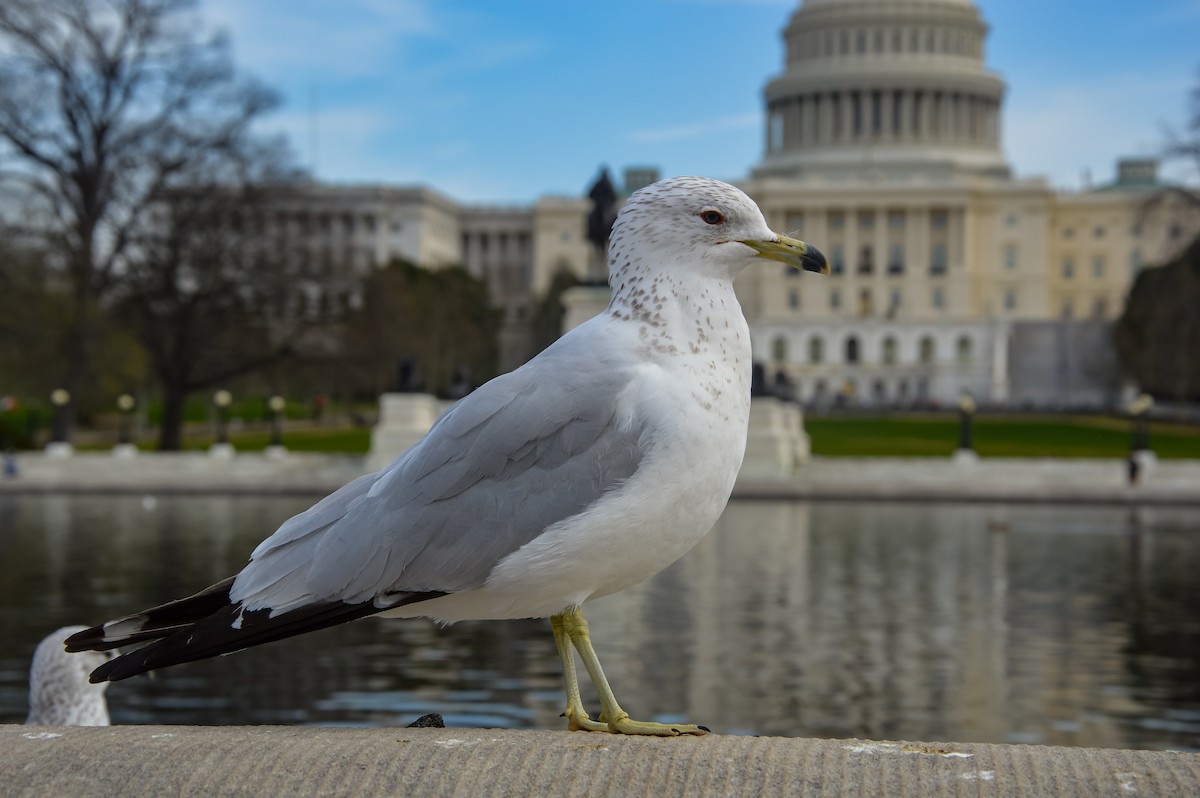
<point x="847" y="117"/>
<point x="906" y="115"/>
<point x="886" y="131"/>
<point x="999" y="370"/>
<point x="825" y="119"/>
<point x="791" y="124"/>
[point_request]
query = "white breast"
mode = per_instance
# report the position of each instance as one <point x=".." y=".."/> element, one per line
<point x="699" y="401"/>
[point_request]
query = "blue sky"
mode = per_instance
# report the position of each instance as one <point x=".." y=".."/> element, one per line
<point x="505" y="101"/>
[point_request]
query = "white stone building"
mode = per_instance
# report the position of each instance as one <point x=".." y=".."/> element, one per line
<point x="337" y="234"/>
<point x="883" y="148"/>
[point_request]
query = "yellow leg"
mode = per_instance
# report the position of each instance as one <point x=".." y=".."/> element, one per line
<point x="572" y="625"/>
<point x="577" y="717"/>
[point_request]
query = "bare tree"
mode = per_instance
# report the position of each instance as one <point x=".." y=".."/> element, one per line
<point x="208" y="287"/>
<point x="1158" y="333"/>
<point x="105" y="107"/>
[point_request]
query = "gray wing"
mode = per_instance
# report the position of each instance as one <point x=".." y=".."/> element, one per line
<point x="521" y="453"/>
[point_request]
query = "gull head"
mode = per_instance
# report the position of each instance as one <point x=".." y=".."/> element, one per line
<point x="701" y="226"/>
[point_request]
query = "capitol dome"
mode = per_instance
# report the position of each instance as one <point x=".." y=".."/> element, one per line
<point x="895" y="87"/>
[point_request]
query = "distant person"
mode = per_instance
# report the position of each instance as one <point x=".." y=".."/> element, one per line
<point x="59" y="691"/>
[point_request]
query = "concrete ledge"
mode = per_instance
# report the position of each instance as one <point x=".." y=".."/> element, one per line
<point x="858" y="478"/>
<point x="184" y="760"/>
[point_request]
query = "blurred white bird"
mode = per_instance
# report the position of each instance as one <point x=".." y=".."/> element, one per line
<point x="59" y="691"/>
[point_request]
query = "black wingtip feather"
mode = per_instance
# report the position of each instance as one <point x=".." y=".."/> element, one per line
<point x="216" y="635"/>
<point x="155" y="622"/>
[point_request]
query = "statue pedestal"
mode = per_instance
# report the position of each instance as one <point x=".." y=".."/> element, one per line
<point x="221" y="451"/>
<point x="966" y="456"/>
<point x="582" y="303"/>
<point x="404" y="418"/>
<point x="59" y="449"/>
<point x="776" y="442"/>
<point x="124" y="451"/>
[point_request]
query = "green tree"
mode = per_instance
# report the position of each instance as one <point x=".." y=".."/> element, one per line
<point x="1158" y="335"/>
<point x="549" y="312"/>
<point x="438" y="319"/>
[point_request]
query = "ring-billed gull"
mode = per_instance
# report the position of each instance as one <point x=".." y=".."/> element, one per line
<point x="587" y="470"/>
<point x="59" y="691"/>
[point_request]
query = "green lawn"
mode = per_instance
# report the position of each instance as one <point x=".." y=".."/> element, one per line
<point x="929" y="435"/>
<point x="899" y="435"/>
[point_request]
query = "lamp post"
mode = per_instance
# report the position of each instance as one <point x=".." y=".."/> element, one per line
<point x="221" y="400"/>
<point x="1139" y="431"/>
<point x="7" y="405"/>
<point x="277" y="404"/>
<point x="60" y="444"/>
<point x="125" y="405"/>
<point x="966" y="447"/>
<point x="59" y="398"/>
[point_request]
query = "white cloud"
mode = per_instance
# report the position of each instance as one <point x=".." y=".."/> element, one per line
<point x="696" y="130"/>
<point x="1062" y="131"/>
<point x="350" y="38"/>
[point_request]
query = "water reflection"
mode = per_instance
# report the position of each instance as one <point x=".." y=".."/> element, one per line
<point x="1064" y="625"/>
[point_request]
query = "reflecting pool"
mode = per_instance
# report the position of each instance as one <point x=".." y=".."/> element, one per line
<point x="994" y="623"/>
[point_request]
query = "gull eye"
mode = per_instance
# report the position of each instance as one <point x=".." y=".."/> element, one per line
<point x="712" y="217"/>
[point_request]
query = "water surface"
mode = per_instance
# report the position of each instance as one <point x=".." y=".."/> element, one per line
<point x="1064" y="625"/>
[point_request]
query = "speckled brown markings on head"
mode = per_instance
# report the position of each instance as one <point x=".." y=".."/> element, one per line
<point x="686" y="314"/>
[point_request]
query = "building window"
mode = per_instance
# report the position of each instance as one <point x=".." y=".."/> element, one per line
<point x="866" y="259"/>
<point x="1098" y="266"/>
<point x="1011" y="220"/>
<point x="896" y="259"/>
<point x="794" y="299"/>
<point x="852" y="349"/>
<point x="837" y="220"/>
<point x="816" y="350"/>
<point x="896" y="221"/>
<point x="1068" y="268"/>
<point x="1098" y="232"/>
<point x="866" y="305"/>
<point x="779" y="349"/>
<point x="835" y="299"/>
<point x="1010" y="257"/>
<point x="837" y="260"/>
<point x="866" y="220"/>
<point x="962" y="349"/>
<point x="894" y="301"/>
<point x="937" y="259"/>
<point x="938" y="220"/>
<point x="1010" y="299"/>
<point x="1068" y="310"/>
<point x="1068" y="233"/>
<point x="889" y="351"/>
<point x="939" y="298"/>
<point x="926" y="350"/>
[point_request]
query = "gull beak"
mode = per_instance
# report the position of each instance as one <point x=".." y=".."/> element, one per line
<point x="793" y="252"/>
